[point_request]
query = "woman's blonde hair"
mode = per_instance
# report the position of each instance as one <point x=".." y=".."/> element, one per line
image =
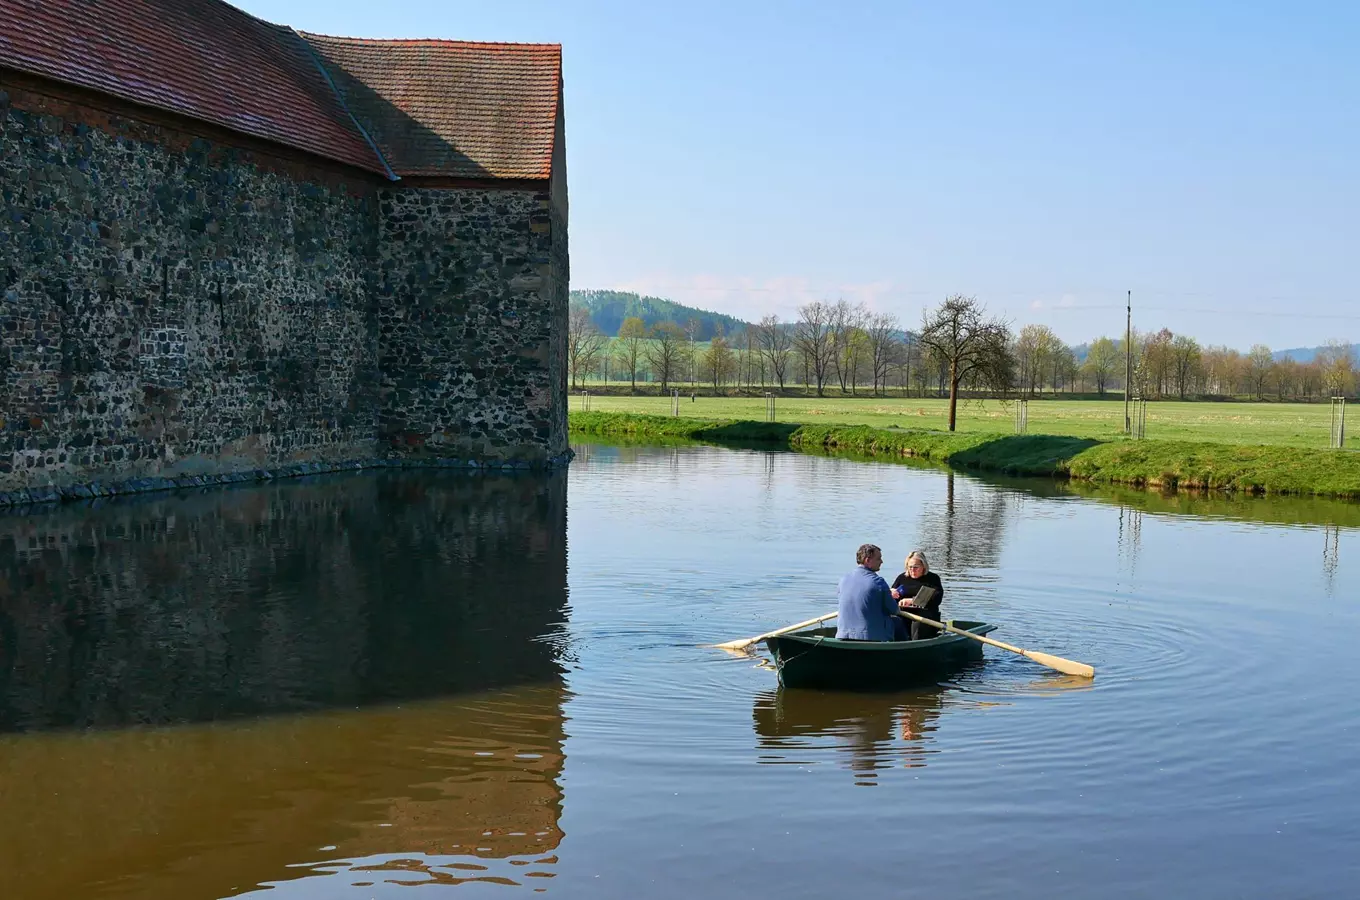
<point x="916" y="554"/>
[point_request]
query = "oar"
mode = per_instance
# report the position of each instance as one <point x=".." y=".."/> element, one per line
<point x="743" y="643"/>
<point x="1066" y="666"/>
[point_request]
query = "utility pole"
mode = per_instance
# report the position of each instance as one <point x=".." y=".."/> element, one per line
<point x="1128" y="362"/>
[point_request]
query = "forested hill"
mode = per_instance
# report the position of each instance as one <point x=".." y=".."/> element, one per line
<point x="608" y="309"/>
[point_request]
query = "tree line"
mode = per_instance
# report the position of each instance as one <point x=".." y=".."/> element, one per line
<point x="848" y="349"/>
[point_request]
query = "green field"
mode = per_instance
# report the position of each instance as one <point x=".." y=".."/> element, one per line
<point x="1289" y="424"/>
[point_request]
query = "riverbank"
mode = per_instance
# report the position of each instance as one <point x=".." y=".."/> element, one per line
<point x="1167" y="465"/>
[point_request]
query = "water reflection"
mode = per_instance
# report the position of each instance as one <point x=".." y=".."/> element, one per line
<point x="344" y="592"/>
<point x="149" y="649"/>
<point x="967" y="528"/>
<point x="868" y="732"/>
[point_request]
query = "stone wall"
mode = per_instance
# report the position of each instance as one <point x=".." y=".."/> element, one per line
<point x="470" y="317"/>
<point x="174" y="307"/>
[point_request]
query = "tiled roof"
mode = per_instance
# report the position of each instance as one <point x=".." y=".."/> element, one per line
<point x="200" y="58"/>
<point x="451" y="107"/>
<point x="433" y="107"/>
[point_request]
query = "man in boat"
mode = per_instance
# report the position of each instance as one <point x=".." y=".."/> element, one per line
<point x="867" y="608"/>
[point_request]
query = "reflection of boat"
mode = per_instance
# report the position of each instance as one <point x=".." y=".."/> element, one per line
<point x="815" y="658"/>
<point x="878" y="731"/>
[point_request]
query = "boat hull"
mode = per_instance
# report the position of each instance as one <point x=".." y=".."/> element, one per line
<point x="816" y="659"/>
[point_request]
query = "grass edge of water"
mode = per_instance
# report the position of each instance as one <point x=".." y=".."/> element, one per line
<point x="1162" y="464"/>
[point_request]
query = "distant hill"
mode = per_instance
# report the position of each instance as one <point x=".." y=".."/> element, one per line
<point x="608" y="309"/>
<point x="1306" y="354"/>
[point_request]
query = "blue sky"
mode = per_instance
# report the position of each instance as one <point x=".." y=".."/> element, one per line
<point x="1043" y="156"/>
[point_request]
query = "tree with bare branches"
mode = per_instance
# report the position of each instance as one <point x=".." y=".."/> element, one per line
<point x="885" y="340"/>
<point x="776" y="343"/>
<point x="666" y="353"/>
<point x="974" y="348"/>
<point x="632" y="334"/>
<point x="812" y="339"/>
<point x="584" y="342"/>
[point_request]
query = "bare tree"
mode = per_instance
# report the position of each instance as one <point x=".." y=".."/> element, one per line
<point x="632" y="334"/>
<point x="584" y="342"/>
<point x="885" y="342"/>
<point x="845" y="326"/>
<point x="1338" y="364"/>
<point x="973" y="347"/>
<point x="1259" y="361"/>
<point x="776" y="341"/>
<point x="719" y="363"/>
<point x="666" y="353"/>
<point x="1186" y="358"/>
<point x="812" y="338"/>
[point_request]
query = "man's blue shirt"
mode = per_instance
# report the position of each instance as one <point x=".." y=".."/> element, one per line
<point x="867" y="609"/>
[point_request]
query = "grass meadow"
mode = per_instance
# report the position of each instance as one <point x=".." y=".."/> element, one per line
<point x="1280" y="424"/>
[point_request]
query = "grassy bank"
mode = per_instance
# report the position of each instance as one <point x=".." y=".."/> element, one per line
<point x="1148" y="463"/>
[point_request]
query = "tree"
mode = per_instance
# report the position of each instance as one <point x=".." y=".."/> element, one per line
<point x="632" y="337"/>
<point x="1101" y="361"/>
<point x="1158" y="362"/>
<point x="1185" y="358"/>
<point x="1063" y="364"/>
<point x="812" y="337"/>
<point x="719" y="363"/>
<point x="885" y="346"/>
<point x="666" y="353"/>
<point x="584" y="342"/>
<point x="1259" y="361"/>
<point x="1338" y="367"/>
<point x="974" y="347"/>
<point x="692" y="327"/>
<point x="844" y="323"/>
<point x="1034" y="355"/>
<point x="776" y="340"/>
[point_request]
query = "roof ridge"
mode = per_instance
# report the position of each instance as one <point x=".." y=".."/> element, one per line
<point x="444" y="42"/>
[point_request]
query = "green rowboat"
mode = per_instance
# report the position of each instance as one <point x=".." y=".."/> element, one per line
<point x="816" y="659"/>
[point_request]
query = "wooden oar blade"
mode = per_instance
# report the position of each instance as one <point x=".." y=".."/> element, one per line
<point x="1066" y="666"/>
<point x="743" y="643"/>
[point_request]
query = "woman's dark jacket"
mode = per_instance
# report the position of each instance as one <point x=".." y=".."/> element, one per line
<point x="907" y="586"/>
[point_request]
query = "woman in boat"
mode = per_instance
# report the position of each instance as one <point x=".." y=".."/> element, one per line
<point x="915" y="575"/>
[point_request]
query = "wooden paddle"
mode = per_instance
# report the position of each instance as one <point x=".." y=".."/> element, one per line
<point x="1066" y="666"/>
<point x="743" y="643"/>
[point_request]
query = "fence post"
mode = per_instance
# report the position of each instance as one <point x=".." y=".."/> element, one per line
<point x="1139" y="424"/>
<point x="1022" y="416"/>
<point x="769" y="407"/>
<point x="1338" y="438"/>
<point x="675" y="402"/>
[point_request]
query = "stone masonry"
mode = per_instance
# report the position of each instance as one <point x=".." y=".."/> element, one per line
<point x="181" y="307"/>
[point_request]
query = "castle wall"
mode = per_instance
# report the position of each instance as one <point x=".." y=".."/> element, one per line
<point x="470" y="316"/>
<point x="176" y="307"/>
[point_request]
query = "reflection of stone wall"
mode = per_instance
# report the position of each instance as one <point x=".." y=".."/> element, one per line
<point x="346" y="591"/>
<point x="208" y="811"/>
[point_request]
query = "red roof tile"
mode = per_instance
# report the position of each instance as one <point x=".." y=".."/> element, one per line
<point x="200" y="58"/>
<point x="433" y="107"/>
<point x="451" y="107"/>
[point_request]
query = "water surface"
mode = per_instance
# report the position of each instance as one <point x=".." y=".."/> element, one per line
<point x="494" y="685"/>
